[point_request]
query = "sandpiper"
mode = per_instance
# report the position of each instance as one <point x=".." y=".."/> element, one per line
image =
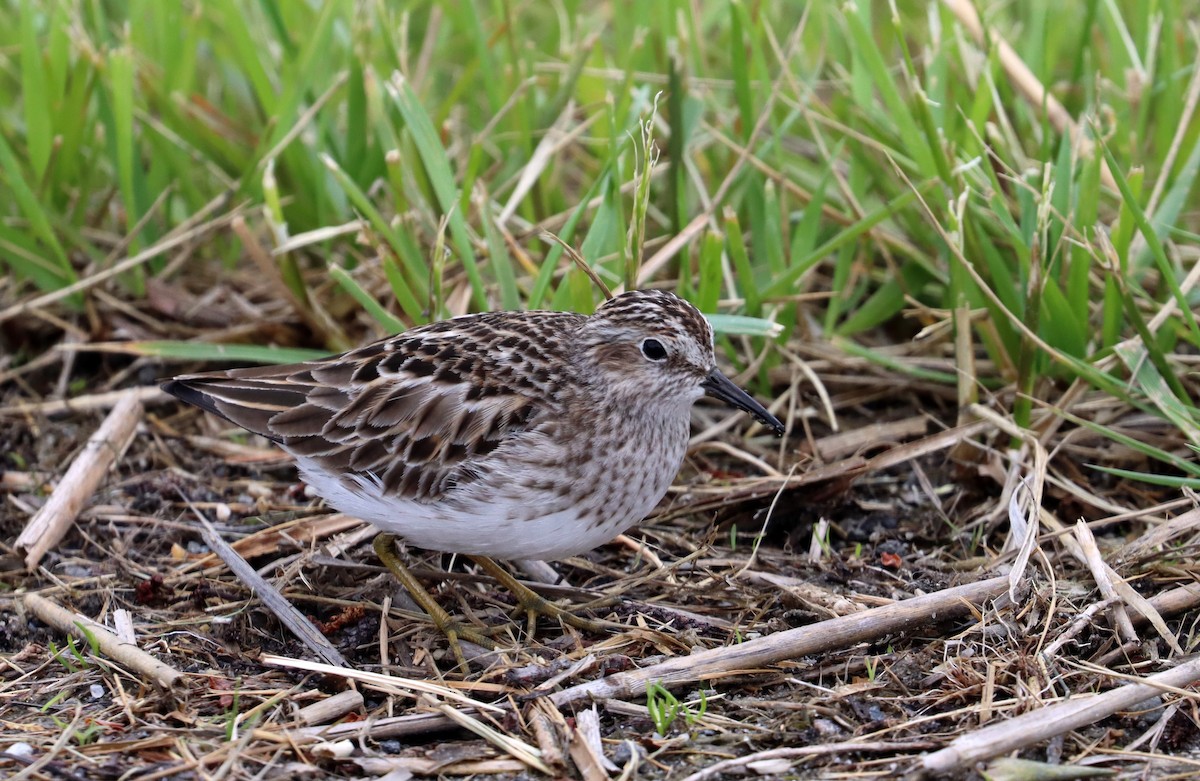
<point x="514" y="435"/>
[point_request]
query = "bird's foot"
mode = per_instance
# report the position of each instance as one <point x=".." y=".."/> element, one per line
<point x="385" y="549"/>
<point x="535" y="604"/>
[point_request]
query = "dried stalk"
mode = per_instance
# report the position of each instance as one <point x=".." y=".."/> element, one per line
<point x="803" y="641"/>
<point x="86" y="629"/>
<point x="88" y="403"/>
<point x="50" y="524"/>
<point x="1033" y="727"/>
<point x="331" y="708"/>
<point x="289" y="616"/>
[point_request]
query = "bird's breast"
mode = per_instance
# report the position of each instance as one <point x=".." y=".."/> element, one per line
<point x="562" y="489"/>
<point x="620" y="474"/>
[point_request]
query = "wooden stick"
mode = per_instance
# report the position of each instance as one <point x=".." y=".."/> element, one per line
<point x="50" y="524"/>
<point x="123" y="624"/>
<point x="94" y="401"/>
<point x="1175" y="600"/>
<point x="587" y="752"/>
<point x="812" y="639"/>
<point x="331" y="708"/>
<point x="26" y="481"/>
<point x="406" y="726"/>
<point x="1044" y="723"/>
<point x="390" y="766"/>
<point x="277" y="603"/>
<point x="125" y="654"/>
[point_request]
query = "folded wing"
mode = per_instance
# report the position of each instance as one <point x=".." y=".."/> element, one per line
<point x="413" y="415"/>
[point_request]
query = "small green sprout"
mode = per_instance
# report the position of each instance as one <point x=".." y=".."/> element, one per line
<point x="664" y="708"/>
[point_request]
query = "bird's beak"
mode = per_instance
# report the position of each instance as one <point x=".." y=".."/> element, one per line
<point x="721" y="387"/>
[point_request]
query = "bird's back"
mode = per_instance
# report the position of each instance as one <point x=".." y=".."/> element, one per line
<point x="417" y="414"/>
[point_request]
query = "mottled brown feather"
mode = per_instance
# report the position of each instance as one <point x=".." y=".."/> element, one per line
<point x="413" y="411"/>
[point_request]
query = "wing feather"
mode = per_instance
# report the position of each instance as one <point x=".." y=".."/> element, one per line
<point x="417" y="413"/>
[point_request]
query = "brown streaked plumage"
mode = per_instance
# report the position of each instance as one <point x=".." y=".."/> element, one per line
<point x="529" y="435"/>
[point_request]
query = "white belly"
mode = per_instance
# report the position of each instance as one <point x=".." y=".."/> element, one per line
<point x="504" y="528"/>
<point x="508" y="516"/>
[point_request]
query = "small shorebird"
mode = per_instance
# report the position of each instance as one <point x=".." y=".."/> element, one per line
<point x="515" y="435"/>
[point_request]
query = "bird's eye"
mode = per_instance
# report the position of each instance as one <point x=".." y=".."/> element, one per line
<point x="654" y="350"/>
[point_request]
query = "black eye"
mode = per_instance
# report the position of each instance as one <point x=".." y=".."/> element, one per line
<point x="654" y="350"/>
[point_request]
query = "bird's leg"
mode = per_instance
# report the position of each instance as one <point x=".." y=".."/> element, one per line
<point x="535" y="604"/>
<point x="385" y="549"/>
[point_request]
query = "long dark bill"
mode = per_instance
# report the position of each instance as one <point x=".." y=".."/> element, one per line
<point x="721" y="387"/>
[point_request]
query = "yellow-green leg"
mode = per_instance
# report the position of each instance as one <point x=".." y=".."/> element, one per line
<point x="385" y="549"/>
<point x="535" y="604"/>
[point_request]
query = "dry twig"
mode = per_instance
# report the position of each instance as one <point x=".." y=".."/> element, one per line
<point x="49" y="524"/>
<point x="812" y="639"/>
<point x="293" y="619"/>
<point x="88" y="630"/>
<point x="331" y="708"/>
<point x="94" y="401"/>
<point x="1033" y="727"/>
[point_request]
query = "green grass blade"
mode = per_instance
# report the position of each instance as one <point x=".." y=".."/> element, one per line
<point x="120" y="86"/>
<point x="32" y="208"/>
<point x="742" y="325"/>
<point x="711" y="272"/>
<point x="206" y="351"/>
<point x="35" y="95"/>
<point x="541" y="284"/>
<point x="1171" y="481"/>
<point x="1165" y="268"/>
<point x="501" y="265"/>
<point x="743" y="270"/>
<point x="417" y="272"/>
<point x="783" y="285"/>
<point x="892" y="364"/>
<point x="897" y="110"/>
<point x="437" y="168"/>
<point x="389" y="322"/>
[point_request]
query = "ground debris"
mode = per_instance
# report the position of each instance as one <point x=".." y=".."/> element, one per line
<point x="733" y="659"/>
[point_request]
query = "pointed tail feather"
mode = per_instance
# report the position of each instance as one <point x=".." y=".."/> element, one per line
<point x="249" y="402"/>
